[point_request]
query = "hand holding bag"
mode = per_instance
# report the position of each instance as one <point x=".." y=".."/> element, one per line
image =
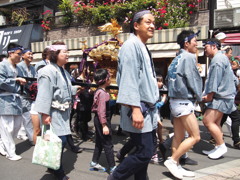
<point x="48" y="149"/>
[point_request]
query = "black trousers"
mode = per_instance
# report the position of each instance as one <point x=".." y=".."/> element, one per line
<point x="235" y="116"/>
<point x="127" y="147"/>
<point x="103" y="142"/>
<point x="137" y="163"/>
<point x="81" y="123"/>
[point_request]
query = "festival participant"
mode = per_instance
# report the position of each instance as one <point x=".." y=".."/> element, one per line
<point x="138" y="94"/>
<point x="102" y="122"/>
<point x="45" y="59"/>
<point x="34" y="115"/>
<point x="54" y="97"/>
<point x="10" y="101"/>
<point x="219" y="94"/>
<point x="184" y="89"/>
<point x="28" y="71"/>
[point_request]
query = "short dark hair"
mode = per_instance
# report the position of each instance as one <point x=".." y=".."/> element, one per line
<point x="138" y="17"/>
<point x="228" y="49"/>
<point x="13" y="47"/>
<point x="132" y="30"/>
<point x="45" y="53"/>
<point x="54" y="54"/>
<point x="181" y="37"/>
<point x="213" y="41"/>
<point x="100" y="76"/>
<point x="159" y="78"/>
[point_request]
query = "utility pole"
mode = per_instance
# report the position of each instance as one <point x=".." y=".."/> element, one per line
<point x="211" y="6"/>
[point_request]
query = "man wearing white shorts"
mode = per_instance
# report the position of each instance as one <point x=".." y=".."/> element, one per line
<point x="184" y="88"/>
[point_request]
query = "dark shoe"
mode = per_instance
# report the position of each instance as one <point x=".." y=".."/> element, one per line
<point x="51" y="171"/>
<point x="162" y="151"/>
<point x="120" y="133"/>
<point x="119" y="156"/>
<point x="236" y="145"/>
<point x="77" y="149"/>
<point x="91" y="133"/>
<point x="188" y="161"/>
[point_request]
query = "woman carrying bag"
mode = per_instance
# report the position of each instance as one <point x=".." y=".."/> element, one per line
<point x="54" y="97"/>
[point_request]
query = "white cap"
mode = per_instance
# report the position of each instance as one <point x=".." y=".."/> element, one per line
<point x="220" y="36"/>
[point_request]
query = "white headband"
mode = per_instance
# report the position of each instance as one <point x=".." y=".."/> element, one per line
<point x="57" y="47"/>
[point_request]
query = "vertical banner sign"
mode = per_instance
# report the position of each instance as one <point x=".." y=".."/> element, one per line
<point x="20" y="35"/>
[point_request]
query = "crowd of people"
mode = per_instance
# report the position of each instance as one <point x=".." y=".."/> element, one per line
<point x="26" y="104"/>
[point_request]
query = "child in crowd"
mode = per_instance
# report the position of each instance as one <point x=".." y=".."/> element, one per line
<point x="161" y="102"/>
<point x="102" y="122"/>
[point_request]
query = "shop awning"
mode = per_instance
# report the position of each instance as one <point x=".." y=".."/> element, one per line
<point x="160" y="36"/>
<point x="232" y="38"/>
<point x="162" y="45"/>
<point x="164" y="50"/>
<point x="169" y="50"/>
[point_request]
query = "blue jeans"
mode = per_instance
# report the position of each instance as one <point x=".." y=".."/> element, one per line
<point x="137" y="163"/>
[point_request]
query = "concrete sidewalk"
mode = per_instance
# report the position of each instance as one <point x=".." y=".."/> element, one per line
<point x="77" y="165"/>
<point x="228" y="170"/>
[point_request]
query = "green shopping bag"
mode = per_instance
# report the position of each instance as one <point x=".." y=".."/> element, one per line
<point x="48" y="149"/>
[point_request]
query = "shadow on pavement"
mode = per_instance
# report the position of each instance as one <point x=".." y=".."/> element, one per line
<point x="23" y="147"/>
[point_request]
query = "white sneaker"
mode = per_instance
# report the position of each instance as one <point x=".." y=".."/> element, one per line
<point x="22" y="137"/>
<point x="97" y="167"/>
<point x="220" y="151"/>
<point x="14" y="158"/>
<point x="2" y="151"/>
<point x="185" y="172"/>
<point x="209" y="152"/>
<point x="173" y="168"/>
<point x="170" y="135"/>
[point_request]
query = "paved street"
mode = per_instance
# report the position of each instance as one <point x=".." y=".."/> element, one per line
<point x="77" y="165"/>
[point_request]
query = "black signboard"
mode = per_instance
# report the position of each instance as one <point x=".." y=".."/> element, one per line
<point x="20" y="35"/>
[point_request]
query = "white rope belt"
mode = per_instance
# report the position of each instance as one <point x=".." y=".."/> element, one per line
<point x="59" y="106"/>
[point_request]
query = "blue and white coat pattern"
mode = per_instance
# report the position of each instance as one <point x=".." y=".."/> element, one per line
<point x="184" y="80"/>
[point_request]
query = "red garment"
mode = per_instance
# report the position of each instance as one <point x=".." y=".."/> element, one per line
<point x="101" y="97"/>
<point x="33" y="90"/>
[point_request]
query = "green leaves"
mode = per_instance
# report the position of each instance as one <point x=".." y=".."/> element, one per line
<point x="66" y="8"/>
<point x="168" y="13"/>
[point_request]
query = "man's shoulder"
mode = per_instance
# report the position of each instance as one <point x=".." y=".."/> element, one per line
<point x="220" y="58"/>
<point x="4" y="66"/>
<point x="21" y="64"/>
<point x="47" y="70"/>
<point x="4" y="62"/>
<point x="131" y="41"/>
<point x="40" y="63"/>
<point x="187" y="54"/>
